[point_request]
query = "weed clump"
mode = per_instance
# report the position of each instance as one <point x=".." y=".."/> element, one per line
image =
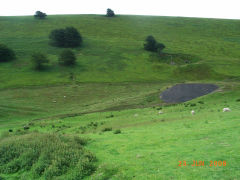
<point x="46" y="156"/>
<point x="110" y="116"/>
<point x="106" y="129"/>
<point x="159" y="108"/>
<point x="93" y="124"/>
<point x="117" y="131"/>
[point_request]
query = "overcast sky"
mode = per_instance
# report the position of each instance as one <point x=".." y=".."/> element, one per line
<point x="191" y="8"/>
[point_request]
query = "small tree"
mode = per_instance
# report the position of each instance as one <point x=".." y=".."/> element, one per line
<point x="40" y="15"/>
<point x="6" y="54"/>
<point x="110" y="13"/>
<point x="57" y="38"/>
<point x="152" y="45"/>
<point x="72" y="37"/>
<point x="67" y="58"/>
<point x="39" y="60"/>
<point x="68" y="37"/>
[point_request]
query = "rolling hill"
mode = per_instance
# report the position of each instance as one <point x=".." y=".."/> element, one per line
<point x="106" y="121"/>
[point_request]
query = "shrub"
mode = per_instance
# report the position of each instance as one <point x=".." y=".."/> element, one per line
<point x="46" y="156"/>
<point x="110" y="116"/>
<point x="40" y="15"/>
<point x="152" y="45"/>
<point x="117" y="131"/>
<point x="39" y="60"/>
<point x="67" y="58"/>
<point x="80" y="141"/>
<point x="110" y="13"/>
<point x="238" y="100"/>
<point x="6" y="54"/>
<point x="106" y="129"/>
<point x="68" y="37"/>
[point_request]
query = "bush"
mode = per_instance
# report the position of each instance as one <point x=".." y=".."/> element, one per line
<point x="110" y="13"/>
<point x="152" y="45"/>
<point x="39" y="60"/>
<point x="106" y="129"/>
<point x="46" y="156"/>
<point x="68" y="37"/>
<point x="40" y="15"/>
<point x="67" y="58"/>
<point x="117" y="131"/>
<point x="159" y="108"/>
<point x="6" y="54"/>
<point x="110" y="116"/>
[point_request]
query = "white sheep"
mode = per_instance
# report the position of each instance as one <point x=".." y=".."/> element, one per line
<point x="226" y="109"/>
<point x="192" y="112"/>
<point x="160" y="112"/>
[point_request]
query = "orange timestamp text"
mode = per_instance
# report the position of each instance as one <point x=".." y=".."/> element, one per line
<point x="202" y="163"/>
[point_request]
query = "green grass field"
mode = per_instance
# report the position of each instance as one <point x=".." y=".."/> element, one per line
<point x="116" y="87"/>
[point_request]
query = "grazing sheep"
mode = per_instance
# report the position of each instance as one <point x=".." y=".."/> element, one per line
<point x="64" y="96"/>
<point x="192" y="112"/>
<point x="226" y="109"/>
<point x="160" y="112"/>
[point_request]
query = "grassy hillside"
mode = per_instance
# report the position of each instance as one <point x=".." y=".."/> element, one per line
<point x="113" y="48"/>
<point x="150" y="144"/>
<point x="105" y="124"/>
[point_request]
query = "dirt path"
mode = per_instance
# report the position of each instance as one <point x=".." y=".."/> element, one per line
<point x="186" y="92"/>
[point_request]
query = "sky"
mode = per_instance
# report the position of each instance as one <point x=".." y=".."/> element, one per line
<point x="227" y="9"/>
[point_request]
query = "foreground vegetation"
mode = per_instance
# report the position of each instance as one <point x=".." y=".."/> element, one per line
<point x="100" y="118"/>
<point x="46" y="156"/>
<point x="149" y="145"/>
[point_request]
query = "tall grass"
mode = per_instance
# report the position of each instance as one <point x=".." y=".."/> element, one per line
<point x="46" y="156"/>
